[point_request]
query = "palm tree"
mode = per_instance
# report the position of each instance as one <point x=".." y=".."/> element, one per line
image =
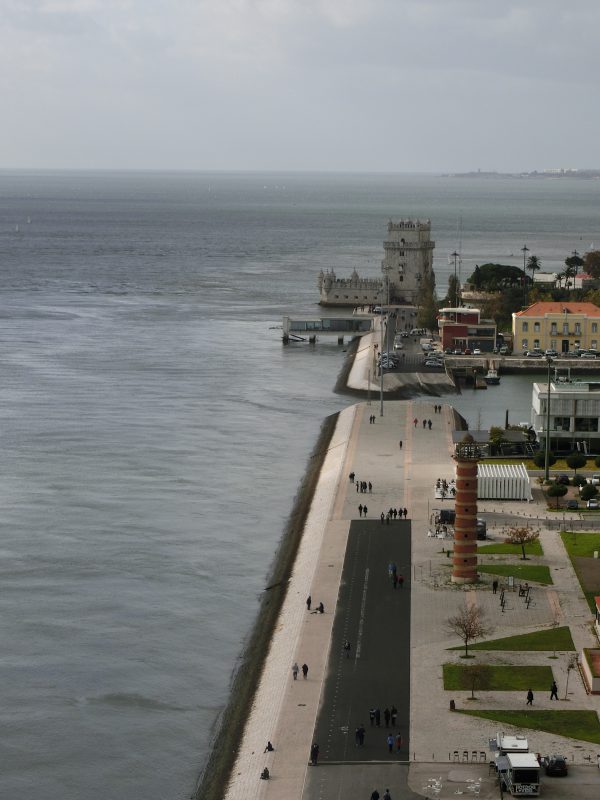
<point x="533" y="264"/>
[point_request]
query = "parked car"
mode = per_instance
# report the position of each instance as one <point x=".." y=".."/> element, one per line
<point x="572" y="505"/>
<point x="477" y="352"/>
<point x="595" y="479"/>
<point x="467" y="351"/>
<point x="564" y="479"/>
<point x="593" y="503"/>
<point x="551" y="353"/>
<point x="555" y="765"/>
<point x="433" y="362"/>
<point x="533" y="354"/>
<point x="587" y="355"/>
<point x="503" y="350"/>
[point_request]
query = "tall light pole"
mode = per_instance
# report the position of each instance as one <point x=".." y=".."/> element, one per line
<point x="381" y="367"/>
<point x="455" y="256"/>
<point x="547" y="443"/>
<point x="524" y="250"/>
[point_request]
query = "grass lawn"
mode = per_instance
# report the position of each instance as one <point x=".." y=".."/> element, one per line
<point x="583" y="725"/>
<point x="548" y="639"/>
<point x="531" y="549"/>
<point x="538" y="573"/>
<point x="498" y="678"/>
<point x="583" y="545"/>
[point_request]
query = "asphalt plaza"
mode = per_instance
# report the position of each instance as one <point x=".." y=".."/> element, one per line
<point x="375" y="618"/>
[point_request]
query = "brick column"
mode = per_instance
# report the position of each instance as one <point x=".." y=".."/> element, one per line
<point x="464" y="561"/>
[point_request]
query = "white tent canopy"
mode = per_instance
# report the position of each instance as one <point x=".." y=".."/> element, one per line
<point x="503" y="482"/>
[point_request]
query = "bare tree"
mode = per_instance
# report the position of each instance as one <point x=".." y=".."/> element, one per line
<point x="522" y="536"/>
<point x="468" y="625"/>
<point x="476" y="676"/>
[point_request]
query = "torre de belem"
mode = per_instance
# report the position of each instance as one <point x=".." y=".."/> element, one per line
<point x="407" y="261"/>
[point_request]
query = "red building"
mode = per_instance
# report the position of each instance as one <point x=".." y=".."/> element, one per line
<point x="463" y="329"/>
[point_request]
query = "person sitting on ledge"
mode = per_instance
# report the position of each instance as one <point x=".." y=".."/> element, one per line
<point x="269" y="748"/>
<point x="264" y="775"/>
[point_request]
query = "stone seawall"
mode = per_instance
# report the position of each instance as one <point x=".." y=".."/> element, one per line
<point x="230" y="725"/>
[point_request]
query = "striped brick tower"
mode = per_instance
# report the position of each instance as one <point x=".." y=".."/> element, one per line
<point x="464" y="561"/>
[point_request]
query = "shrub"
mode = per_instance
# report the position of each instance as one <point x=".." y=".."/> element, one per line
<point x="539" y="459"/>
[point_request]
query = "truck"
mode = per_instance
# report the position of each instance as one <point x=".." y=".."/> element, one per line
<point x="519" y="774"/>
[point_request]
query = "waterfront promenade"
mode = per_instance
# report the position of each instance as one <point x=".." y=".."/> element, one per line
<point x="292" y="713"/>
<point x="342" y="562"/>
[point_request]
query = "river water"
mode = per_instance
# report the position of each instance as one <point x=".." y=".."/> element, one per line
<point x="154" y="433"/>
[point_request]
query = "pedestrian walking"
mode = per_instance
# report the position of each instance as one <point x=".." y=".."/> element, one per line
<point x="494" y="587"/>
<point x="415" y="422"/>
<point x="400" y="443"/>
<point x="398" y="743"/>
<point x="377" y="717"/>
<point x="370" y="487"/>
<point x="304" y="670"/>
<point x="405" y="512"/>
<point x="372" y="716"/>
<point x="314" y="754"/>
<point x="361" y="734"/>
<point x="554" y="691"/>
<point x="424" y="424"/>
<point x="393" y="715"/>
<point x="347" y="648"/>
<point x="295" y="670"/>
<point x="529" y="698"/>
<point x="351" y="476"/>
<point x="386" y="716"/>
<point x="382" y="517"/>
<point x="429" y="424"/>
<point x="357" y="485"/>
<point x="387" y="795"/>
<point x="365" y="509"/>
<point x="360" y="510"/>
<point x="375" y="795"/>
<point x="390" y="743"/>
<point x="401" y="580"/>
<point x="308" y="602"/>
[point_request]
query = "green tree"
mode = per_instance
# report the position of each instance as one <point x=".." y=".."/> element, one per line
<point x="533" y="264"/>
<point x="588" y="492"/>
<point x="576" y="461"/>
<point x="427" y="302"/>
<point x="452" y="299"/>
<point x="539" y="459"/>
<point x="556" y="490"/>
<point x="497" y="438"/>
<point x="591" y="263"/>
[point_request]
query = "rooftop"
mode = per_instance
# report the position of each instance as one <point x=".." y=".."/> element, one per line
<point x="542" y="308"/>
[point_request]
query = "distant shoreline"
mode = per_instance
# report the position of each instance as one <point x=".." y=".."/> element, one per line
<point x="581" y="174"/>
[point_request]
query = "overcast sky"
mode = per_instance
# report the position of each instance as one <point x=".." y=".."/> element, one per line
<point x="358" y="85"/>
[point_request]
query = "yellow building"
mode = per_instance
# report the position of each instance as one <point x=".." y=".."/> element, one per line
<point x="563" y="327"/>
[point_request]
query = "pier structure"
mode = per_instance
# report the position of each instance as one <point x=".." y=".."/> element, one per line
<point x="464" y="560"/>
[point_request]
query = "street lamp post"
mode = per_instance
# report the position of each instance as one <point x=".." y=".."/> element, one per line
<point x="455" y="256"/>
<point x="547" y="443"/>
<point x="524" y="250"/>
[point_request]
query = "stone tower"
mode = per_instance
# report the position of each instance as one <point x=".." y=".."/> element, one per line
<point x="408" y="257"/>
<point x="464" y="561"/>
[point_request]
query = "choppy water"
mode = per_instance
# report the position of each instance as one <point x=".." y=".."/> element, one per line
<point x="154" y="432"/>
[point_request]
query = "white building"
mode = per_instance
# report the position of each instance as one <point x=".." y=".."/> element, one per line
<point x="574" y="415"/>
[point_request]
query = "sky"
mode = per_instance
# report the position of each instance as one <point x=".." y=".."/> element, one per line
<point x="334" y="85"/>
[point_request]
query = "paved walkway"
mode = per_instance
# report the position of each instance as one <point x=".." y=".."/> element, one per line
<point x="285" y="711"/>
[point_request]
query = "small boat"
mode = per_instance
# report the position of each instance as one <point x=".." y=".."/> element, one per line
<point x="492" y="378"/>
